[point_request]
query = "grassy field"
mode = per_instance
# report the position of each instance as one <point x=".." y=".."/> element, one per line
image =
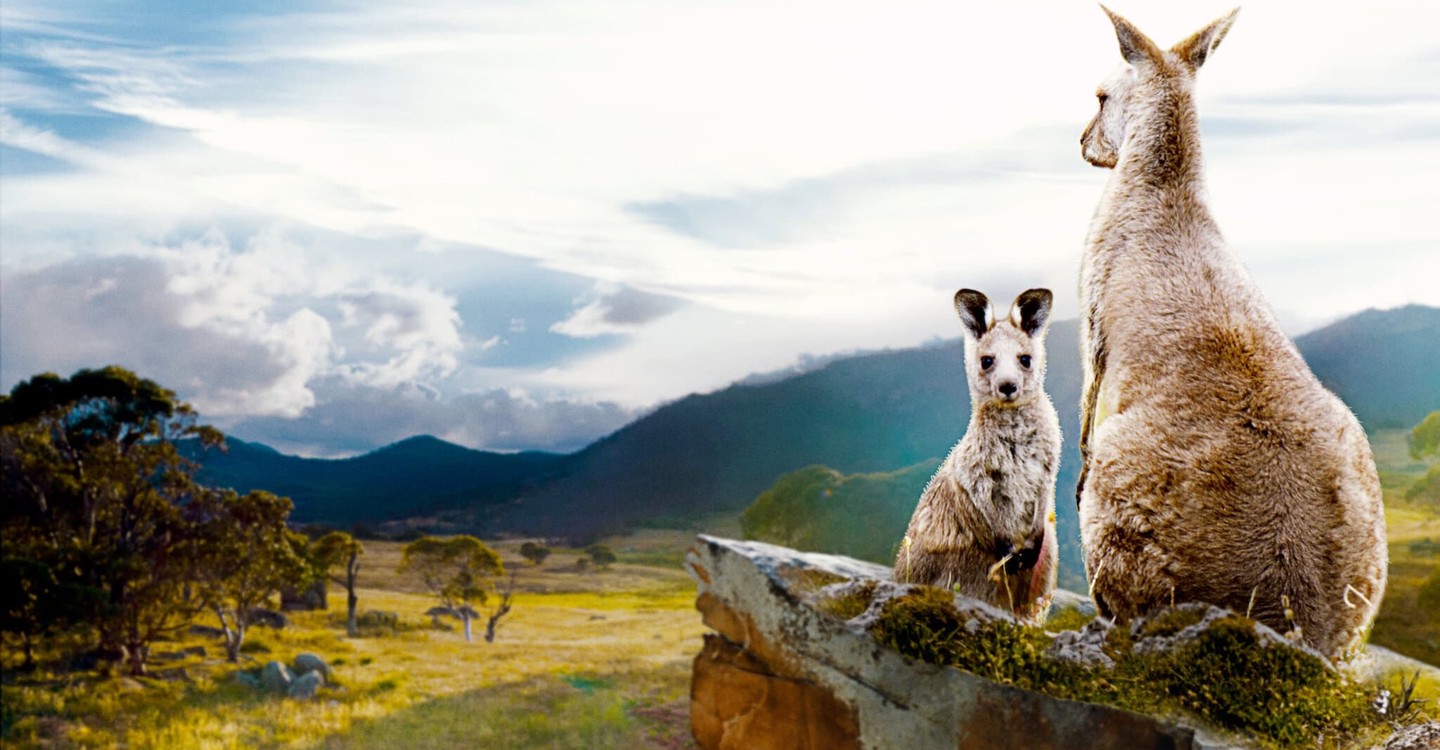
<point x="1408" y="622"/>
<point x="586" y="659"/>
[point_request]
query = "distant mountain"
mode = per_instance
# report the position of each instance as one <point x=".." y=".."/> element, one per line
<point x="716" y="453"/>
<point x="418" y="476"/>
<point x="1384" y="363"/>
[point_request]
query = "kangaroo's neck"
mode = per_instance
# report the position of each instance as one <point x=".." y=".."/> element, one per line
<point x="992" y="415"/>
<point x="1159" y="181"/>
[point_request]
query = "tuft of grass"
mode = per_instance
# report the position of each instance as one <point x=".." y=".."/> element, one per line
<point x="846" y="601"/>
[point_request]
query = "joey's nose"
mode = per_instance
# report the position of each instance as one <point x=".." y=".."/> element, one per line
<point x="1007" y="390"/>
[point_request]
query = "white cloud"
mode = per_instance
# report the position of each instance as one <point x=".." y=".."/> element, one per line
<point x="276" y="319"/>
<point x="351" y="418"/>
<point x="796" y="176"/>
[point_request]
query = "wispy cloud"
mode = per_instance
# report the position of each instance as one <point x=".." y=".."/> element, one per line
<point x="609" y="309"/>
<point x="694" y="191"/>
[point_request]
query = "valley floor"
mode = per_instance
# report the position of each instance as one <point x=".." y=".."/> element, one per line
<point x="586" y="659"/>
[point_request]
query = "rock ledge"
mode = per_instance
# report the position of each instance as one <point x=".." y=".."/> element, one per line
<point x="779" y="673"/>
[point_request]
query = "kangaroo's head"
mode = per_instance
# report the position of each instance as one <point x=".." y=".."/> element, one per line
<point x="1004" y="360"/>
<point x="1148" y="77"/>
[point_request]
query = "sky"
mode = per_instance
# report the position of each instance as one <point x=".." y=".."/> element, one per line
<point x="521" y="224"/>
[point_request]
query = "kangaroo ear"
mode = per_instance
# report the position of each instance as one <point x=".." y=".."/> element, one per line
<point x="974" y="310"/>
<point x="1031" y="310"/>
<point x="1198" y="47"/>
<point x="1135" y="47"/>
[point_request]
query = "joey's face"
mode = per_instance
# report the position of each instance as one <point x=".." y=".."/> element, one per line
<point x="1005" y="360"/>
<point x="1101" y="141"/>
<point x="1005" y="365"/>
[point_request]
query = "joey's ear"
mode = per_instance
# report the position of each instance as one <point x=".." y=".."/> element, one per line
<point x="1199" y="45"/>
<point x="974" y="310"/>
<point x="1031" y="310"/>
<point x="1135" y="47"/>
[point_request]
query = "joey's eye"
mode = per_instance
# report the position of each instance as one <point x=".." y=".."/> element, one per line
<point x="1102" y="98"/>
<point x="1025" y="361"/>
<point x="987" y="362"/>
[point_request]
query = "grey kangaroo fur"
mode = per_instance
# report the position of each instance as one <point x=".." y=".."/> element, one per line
<point x="1215" y="467"/>
<point x="985" y="525"/>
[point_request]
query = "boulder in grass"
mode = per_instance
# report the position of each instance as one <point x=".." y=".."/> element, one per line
<point x="307" y="663"/>
<point x="276" y="677"/>
<point x="268" y="618"/>
<point x="206" y="631"/>
<point x="306" y="686"/>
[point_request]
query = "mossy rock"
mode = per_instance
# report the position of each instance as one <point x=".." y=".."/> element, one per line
<point x="1218" y="668"/>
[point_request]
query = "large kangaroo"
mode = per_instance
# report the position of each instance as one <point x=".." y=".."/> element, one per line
<point x="1214" y="466"/>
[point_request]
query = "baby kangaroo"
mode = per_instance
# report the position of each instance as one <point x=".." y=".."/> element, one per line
<point x="984" y="526"/>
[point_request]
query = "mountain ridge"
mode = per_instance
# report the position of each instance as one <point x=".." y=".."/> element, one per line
<point x="715" y="452"/>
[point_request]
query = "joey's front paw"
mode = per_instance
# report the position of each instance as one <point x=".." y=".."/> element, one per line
<point x="1023" y="557"/>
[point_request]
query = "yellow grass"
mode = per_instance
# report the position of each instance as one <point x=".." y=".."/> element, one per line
<point x="1405" y="624"/>
<point x="604" y="663"/>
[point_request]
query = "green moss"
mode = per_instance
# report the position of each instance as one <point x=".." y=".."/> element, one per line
<point x="1170" y="621"/>
<point x="848" y="601"/>
<point x="1069" y="618"/>
<point x="1228" y="675"/>
<point x="925" y="625"/>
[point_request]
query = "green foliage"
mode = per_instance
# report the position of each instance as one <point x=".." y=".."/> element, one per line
<point x="459" y="570"/>
<point x="340" y="550"/>
<point x="601" y="555"/>
<point x="1426" y="489"/>
<point x="98" y="493"/>
<point x="1425" y="438"/>
<point x="245" y="554"/>
<point x="534" y="552"/>
<point x="817" y="508"/>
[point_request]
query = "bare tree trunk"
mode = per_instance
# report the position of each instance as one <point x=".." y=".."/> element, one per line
<point x="352" y="571"/>
<point x="234" y="635"/>
<point x="465" y="618"/>
<point x="29" y="643"/>
<point x="351" y="629"/>
<point x="500" y="611"/>
<point x="135" y="653"/>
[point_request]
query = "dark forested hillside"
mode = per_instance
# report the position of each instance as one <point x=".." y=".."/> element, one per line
<point x="414" y="477"/>
<point x="1384" y="363"/>
<point x="717" y="452"/>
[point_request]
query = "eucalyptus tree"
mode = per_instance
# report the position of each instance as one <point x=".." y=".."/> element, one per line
<point x="96" y="491"/>
<point x="459" y="571"/>
<point x="245" y="554"/>
<point x="340" y="551"/>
